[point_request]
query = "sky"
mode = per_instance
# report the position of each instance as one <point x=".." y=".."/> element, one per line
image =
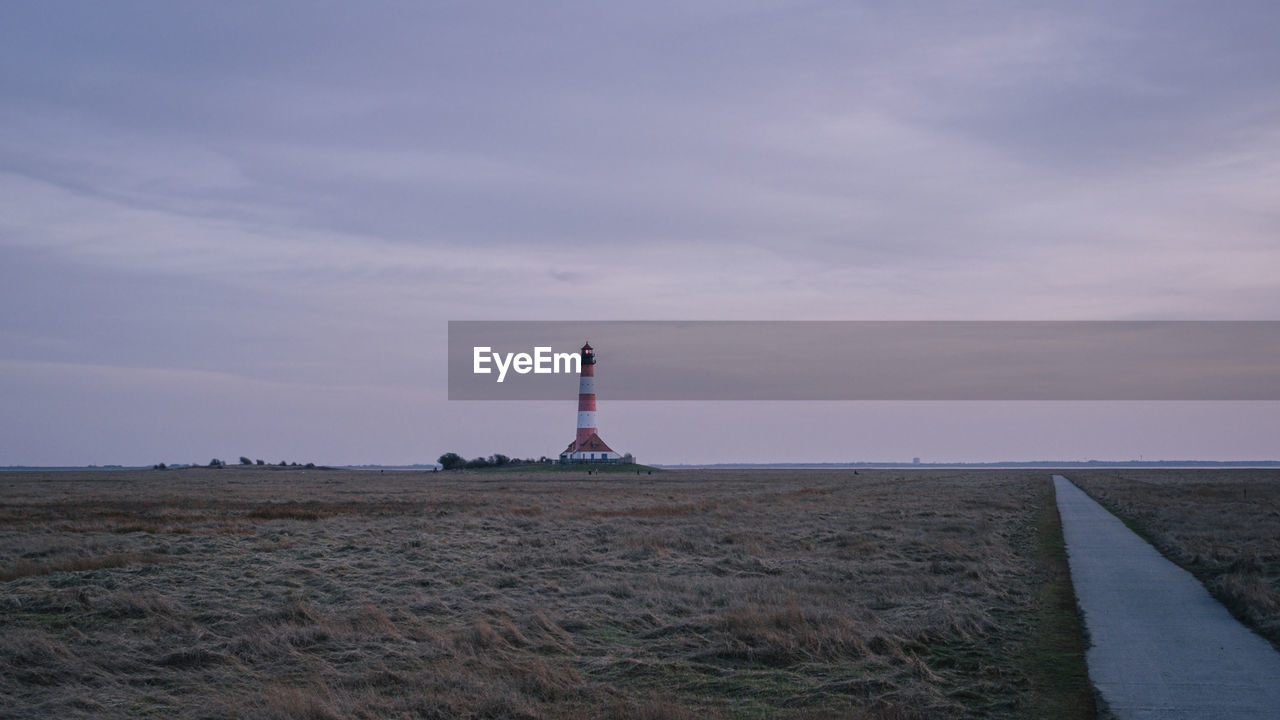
<point x="241" y="228"/>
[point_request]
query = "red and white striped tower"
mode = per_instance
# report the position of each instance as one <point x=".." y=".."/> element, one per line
<point x="586" y="397"/>
<point x="587" y="445"/>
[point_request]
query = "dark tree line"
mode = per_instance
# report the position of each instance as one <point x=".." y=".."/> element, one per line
<point x="219" y="464"/>
<point x="454" y="461"/>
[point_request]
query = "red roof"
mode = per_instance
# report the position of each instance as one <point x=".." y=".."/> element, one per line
<point x="591" y="444"/>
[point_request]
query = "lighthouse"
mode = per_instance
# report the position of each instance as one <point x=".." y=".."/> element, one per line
<point x="587" y="446"/>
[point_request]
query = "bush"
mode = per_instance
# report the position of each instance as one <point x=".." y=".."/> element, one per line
<point x="216" y="463"/>
<point x="454" y="461"/>
<point x="245" y="461"/>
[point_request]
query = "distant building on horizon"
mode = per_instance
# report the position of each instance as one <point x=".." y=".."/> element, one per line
<point x="587" y="446"/>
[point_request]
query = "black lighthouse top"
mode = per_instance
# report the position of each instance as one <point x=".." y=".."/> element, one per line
<point x="588" y="355"/>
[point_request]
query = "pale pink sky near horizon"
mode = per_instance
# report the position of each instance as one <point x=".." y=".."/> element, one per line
<point x="240" y="229"/>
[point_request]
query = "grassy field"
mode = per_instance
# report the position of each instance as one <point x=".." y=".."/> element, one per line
<point x="290" y="593"/>
<point x="1222" y="525"/>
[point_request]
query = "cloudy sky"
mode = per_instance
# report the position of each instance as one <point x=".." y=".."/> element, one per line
<point x="240" y="228"/>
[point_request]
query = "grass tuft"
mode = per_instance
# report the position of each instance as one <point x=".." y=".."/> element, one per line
<point x="77" y="563"/>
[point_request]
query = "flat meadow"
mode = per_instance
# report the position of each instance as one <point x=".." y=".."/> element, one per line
<point x="272" y="592"/>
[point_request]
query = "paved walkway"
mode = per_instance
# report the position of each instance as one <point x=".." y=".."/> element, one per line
<point x="1160" y="645"/>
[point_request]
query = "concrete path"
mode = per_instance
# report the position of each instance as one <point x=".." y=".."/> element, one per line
<point x="1160" y="645"/>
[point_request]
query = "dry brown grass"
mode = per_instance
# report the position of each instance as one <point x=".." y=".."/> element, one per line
<point x="1222" y="525"/>
<point x="310" y="594"/>
<point x="76" y="563"/>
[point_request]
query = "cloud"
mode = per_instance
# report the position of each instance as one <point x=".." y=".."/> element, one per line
<point x="333" y="177"/>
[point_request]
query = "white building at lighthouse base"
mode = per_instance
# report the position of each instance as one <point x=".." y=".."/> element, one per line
<point x="592" y="449"/>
